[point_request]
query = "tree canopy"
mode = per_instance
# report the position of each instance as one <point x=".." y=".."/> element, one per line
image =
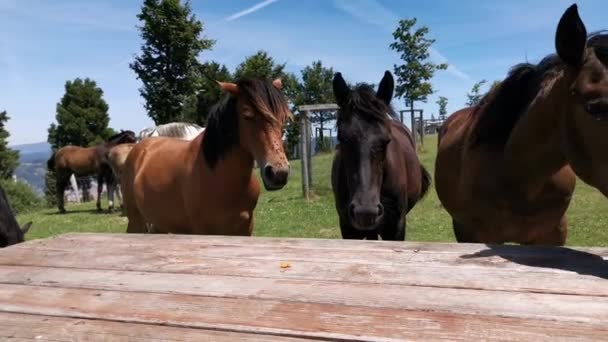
<point x="417" y="70"/>
<point x="475" y="95"/>
<point x="168" y="66"/>
<point x="82" y="116"/>
<point x="443" y="104"/>
<point x="9" y="158"/>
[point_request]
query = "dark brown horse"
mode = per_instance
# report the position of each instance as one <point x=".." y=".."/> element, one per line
<point x="10" y="232"/>
<point x="207" y="185"/>
<point x="85" y="161"/>
<point x="505" y="169"/>
<point x="376" y="175"/>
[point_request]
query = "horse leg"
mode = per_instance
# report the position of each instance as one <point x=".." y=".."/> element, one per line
<point x="394" y="231"/>
<point x="111" y="189"/>
<point x="556" y="237"/>
<point x="463" y="233"/>
<point x="137" y="224"/>
<point x="348" y="232"/>
<point x="99" y="190"/>
<point x="60" y="184"/>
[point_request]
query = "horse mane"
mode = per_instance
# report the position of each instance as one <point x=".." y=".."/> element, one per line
<point x="119" y="135"/>
<point x="221" y="133"/>
<point x="367" y="105"/>
<point x="500" y="109"/>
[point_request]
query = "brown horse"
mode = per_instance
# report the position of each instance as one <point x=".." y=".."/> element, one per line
<point x="376" y="175"/>
<point x="504" y="168"/>
<point x="116" y="158"/>
<point x="10" y="232"/>
<point x="207" y="185"/>
<point x="85" y="161"/>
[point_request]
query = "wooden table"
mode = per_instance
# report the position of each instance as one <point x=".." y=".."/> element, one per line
<point x="108" y="287"/>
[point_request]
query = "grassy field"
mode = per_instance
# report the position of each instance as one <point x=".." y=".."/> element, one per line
<point x="286" y="214"/>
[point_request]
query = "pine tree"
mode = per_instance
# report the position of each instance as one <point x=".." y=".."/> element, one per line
<point x="9" y="159"/>
<point x="209" y="93"/>
<point x="168" y="65"/>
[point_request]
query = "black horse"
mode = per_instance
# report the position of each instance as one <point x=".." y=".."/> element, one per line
<point x="376" y="175"/>
<point x="10" y="232"/>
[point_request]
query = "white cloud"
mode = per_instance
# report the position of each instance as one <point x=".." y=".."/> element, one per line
<point x="250" y="10"/>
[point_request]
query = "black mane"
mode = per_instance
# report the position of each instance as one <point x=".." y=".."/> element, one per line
<point x="222" y="131"/>
<point x="119" y="136"/>
<point x="363" y="101"/>
<point x="500" y="109"/>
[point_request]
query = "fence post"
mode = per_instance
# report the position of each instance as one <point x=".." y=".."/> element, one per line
<point x="304" y="138"/>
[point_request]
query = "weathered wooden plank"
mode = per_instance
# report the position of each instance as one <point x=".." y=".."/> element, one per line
<point x="66" y="240"/>
<point x="22" y="327"/>
<point x="457" y="301"/>
<point x="171" y="251"/>
<point x="312" y="320"/>
<point x="522" y="278"/>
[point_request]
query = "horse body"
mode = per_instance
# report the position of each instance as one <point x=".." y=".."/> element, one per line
<point x="207" y="185"/>
<point x="10" y="232"/>
<point x="84" y="161"/>
<point x="376" y="175"/>
<point x="475" y="188"/>
<point x="210" y="201"/>
<point x="505" y="169"/>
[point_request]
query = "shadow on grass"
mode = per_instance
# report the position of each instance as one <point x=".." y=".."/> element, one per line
<point x="561" y="258"/>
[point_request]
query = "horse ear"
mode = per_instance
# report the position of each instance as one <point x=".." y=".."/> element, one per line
<point x="26" y="227"/>
<point x="571" y="37"/>
<point x="228" y="87"/>
<point x="341" y="90"/>
<point x="277" y="83"/>
<point x="386" y="87"/>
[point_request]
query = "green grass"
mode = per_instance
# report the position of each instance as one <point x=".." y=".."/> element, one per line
<point x="285" y="213"/>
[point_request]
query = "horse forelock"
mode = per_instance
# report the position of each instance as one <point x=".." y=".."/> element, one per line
<point x="364" y="104"/>
<point x="266" y="100"/>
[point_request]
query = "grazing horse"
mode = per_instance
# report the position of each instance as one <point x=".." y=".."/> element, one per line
<point x="207" y="185"/>
<point x="376" y="175"/>
<point x="84" y="161"/>
<point x="505" y="169"/>
<point x="10" y="232"/>
<point x="181" y="130"/>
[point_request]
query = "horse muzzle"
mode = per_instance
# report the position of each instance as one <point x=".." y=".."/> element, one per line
<point x="365" y="217"/>
<point x="274" y="178"/>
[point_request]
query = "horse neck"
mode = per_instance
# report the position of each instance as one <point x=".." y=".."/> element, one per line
<point x="533" y="152"/>
<point x="233" y="171"/>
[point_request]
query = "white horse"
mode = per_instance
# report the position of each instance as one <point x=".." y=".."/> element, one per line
<point x="180" y="130"/>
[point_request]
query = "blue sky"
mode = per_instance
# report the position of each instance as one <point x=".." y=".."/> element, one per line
<point x="43" y="43"/>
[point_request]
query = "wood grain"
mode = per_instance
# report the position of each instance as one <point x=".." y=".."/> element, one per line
<point x="289" y="319"/>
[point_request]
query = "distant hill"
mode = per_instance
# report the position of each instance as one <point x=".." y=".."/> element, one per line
<point x="33" y="148"/>
<point x="32" y="163"/>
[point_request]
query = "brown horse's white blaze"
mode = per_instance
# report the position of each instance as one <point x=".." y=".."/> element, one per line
<point x="207" y="185"/>
<point x="505" y="169"/>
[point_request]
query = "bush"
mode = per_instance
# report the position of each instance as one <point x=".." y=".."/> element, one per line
<point x="21" y="196"/>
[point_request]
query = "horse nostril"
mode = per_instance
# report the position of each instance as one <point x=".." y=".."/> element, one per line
<point x="269" y="172"/>
<point x="380" y="210"/>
